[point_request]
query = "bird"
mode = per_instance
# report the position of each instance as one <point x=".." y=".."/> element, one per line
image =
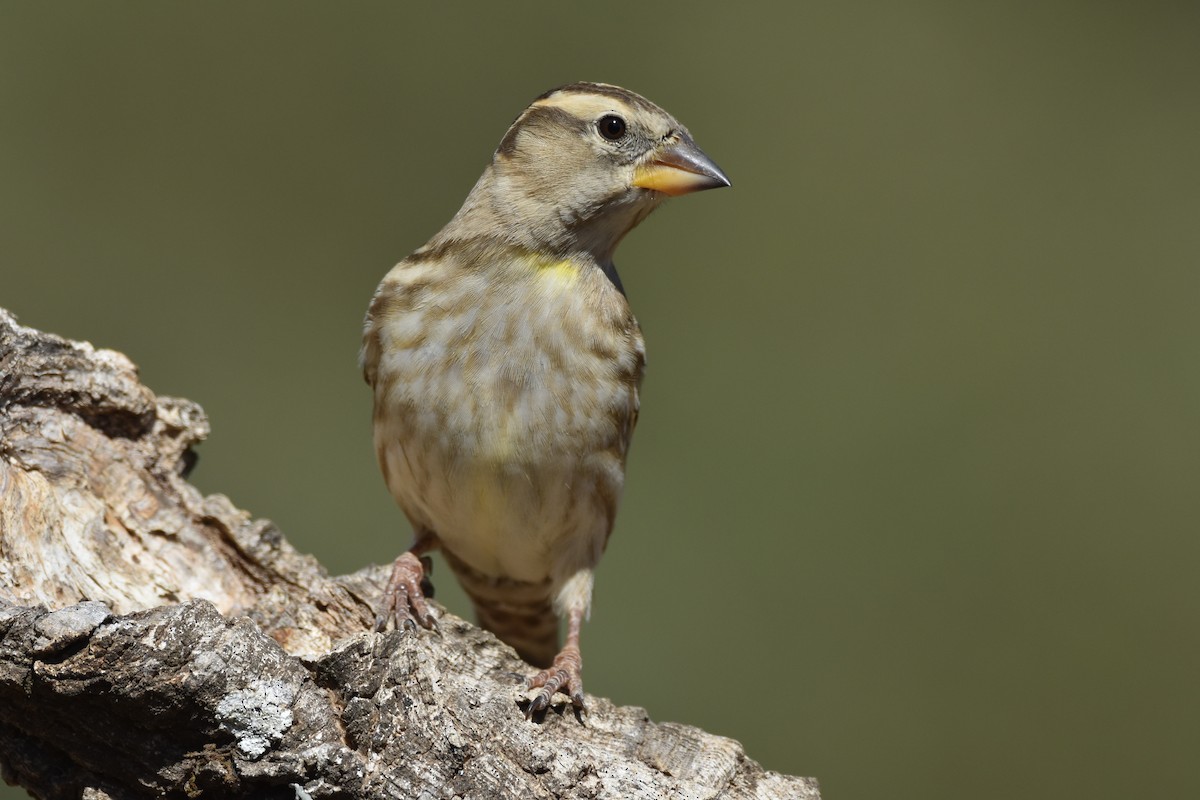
<point x="505" y="365"/>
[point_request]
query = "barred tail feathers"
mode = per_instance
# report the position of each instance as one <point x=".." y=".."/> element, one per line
<point x="520" y="614"/>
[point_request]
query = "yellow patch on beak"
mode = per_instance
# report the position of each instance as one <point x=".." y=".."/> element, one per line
<point x="669" y="180"/>
<point x="679" y="168"/>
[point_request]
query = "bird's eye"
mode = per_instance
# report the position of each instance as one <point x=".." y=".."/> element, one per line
<point x="611" y="127"/>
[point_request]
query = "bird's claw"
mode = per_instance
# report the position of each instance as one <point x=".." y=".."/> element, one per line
<point x="403" y="599"/>
<point x="564" y="675"/>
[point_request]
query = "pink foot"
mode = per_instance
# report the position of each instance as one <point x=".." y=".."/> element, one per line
<point x="403" y="599"/>
<point x="564" y="675"/>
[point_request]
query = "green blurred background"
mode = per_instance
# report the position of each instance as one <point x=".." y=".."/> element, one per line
<point x="913" y="502"/>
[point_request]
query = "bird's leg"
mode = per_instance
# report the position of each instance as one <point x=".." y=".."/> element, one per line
<point x="565" y="674"/>
<point x="403" y="599"/>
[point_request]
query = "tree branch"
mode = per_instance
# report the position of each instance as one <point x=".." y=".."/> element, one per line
<point x="157" y="642"/>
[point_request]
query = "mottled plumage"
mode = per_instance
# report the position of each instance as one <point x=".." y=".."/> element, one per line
<point x="505" y="363"/>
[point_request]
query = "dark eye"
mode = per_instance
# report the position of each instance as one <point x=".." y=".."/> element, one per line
<point x="611" y="127"/>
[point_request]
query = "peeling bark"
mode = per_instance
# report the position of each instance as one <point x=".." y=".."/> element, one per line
<point x="158" y="642"/>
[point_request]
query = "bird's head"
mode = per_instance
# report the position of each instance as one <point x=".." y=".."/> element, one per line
<point x="587" y="162"/>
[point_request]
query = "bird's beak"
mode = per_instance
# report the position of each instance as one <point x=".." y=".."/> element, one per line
<point x="677" y="168"/>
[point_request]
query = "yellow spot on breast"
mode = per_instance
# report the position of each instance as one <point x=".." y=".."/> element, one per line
<point x="490" y="502"/>
<point x="558" y="271"/>
<point x="501" y="446"/>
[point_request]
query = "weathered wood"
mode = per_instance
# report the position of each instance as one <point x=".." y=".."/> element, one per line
<point x="158" y="642"/>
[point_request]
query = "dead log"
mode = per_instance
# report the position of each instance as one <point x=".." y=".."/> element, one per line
<point x="157" y="642"/>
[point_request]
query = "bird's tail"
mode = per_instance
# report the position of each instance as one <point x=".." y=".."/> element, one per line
<point x="520" y="614"/>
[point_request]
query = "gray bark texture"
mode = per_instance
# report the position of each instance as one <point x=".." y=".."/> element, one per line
<point x="155" y="642"/>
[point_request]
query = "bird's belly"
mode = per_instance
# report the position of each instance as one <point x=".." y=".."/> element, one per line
<point x="512" y="451"/>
